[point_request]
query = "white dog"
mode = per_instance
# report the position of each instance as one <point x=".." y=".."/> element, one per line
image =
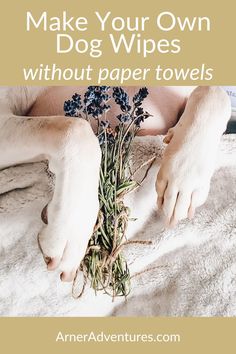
<point x="74" y="156"/>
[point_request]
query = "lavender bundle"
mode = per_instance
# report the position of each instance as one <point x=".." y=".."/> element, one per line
<point x="104" y="264"/>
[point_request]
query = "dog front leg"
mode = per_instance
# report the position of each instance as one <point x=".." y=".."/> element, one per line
<point x="188" y="163"/>
<point x="73" y="153"/>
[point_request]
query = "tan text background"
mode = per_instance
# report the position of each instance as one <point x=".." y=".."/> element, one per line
<point x="215" y="49"/>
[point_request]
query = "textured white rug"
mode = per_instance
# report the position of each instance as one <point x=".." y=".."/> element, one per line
<point x="187" y="271"/>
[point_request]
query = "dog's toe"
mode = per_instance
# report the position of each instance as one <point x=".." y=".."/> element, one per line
<point x="53" y="263"/>
<point x="182" y="206"/>
<point x="68" y="276"/>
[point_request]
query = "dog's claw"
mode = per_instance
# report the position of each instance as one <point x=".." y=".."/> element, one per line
<point x="44" y="215"/>
<point x="53" y="263"/>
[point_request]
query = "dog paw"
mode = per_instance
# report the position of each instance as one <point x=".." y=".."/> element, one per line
<point x="64" y="242"/>
<point x="183" y="180"/>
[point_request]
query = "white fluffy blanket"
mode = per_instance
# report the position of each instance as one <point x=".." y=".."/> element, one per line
<point x="187" y="271"/>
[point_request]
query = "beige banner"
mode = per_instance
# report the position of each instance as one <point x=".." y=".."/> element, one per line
<point x="202" y="53"/>
<point x="176" y="336"/>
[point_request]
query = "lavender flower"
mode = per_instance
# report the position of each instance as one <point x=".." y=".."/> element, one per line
<point x="140" y="96"/>
<point x="121" y="98"/>
<point x="95" y="100"/>
<point x="123" y="118"/>
<point x="105" y="124"/>
<point x="73" y="107"/>
<point x="140" y="116"/>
